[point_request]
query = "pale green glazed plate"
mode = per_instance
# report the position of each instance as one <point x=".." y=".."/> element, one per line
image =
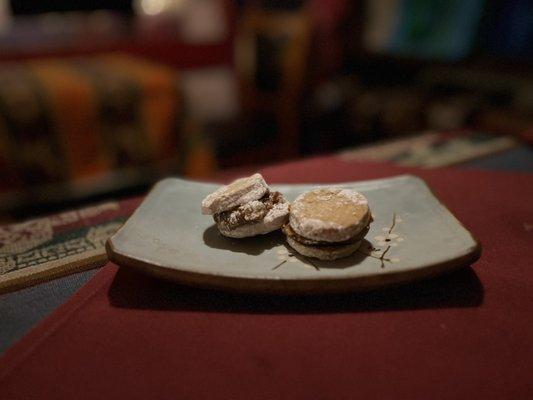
<point x="413" y="236"/>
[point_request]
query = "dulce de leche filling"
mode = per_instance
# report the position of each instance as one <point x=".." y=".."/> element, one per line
<point x="249" y="213"/>
<point x="287" y="230"/>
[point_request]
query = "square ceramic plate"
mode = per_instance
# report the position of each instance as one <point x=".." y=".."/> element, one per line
<point x="413" y="236"/>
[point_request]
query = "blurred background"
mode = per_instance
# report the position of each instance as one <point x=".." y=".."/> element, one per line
<point x="100" y="99"/>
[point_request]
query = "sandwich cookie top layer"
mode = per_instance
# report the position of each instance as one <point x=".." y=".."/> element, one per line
<point x="237" y="193"/>
<point x="329" y="214"/>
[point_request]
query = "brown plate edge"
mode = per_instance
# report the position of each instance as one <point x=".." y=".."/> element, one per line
<point x="292" y="286"/>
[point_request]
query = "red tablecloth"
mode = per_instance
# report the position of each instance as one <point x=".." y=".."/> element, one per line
<point x="465" y="335"/>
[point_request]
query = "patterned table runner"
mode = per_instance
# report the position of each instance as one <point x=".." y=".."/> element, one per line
<point x="41" y="249"/>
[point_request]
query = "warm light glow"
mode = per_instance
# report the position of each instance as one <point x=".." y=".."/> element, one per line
<point x="153" y="7"/>
<point x="156" y="7"/>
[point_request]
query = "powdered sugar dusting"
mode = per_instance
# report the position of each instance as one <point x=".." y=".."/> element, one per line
<point x="355" y="197"/>
<point x="280" y="210"/>
<point x="254" y="210"/>
<point x="329" y="214"/>
<point x="238" y="192"/>
<point x="273" y="220"/>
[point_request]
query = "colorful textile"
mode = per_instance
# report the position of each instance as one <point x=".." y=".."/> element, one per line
<point x="50" y="247"/>
<point x="73" y="119"/>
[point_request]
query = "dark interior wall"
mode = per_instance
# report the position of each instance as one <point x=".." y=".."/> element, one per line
<point x="21" y="7"/>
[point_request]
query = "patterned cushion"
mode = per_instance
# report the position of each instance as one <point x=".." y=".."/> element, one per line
<point x="71" y="119"/>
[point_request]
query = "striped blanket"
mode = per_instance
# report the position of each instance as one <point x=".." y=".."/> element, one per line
<point x="71" y="119"/>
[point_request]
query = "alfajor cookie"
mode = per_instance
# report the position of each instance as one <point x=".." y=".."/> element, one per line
<point x="328" y="223"/>
<point x="246" y="207"/>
